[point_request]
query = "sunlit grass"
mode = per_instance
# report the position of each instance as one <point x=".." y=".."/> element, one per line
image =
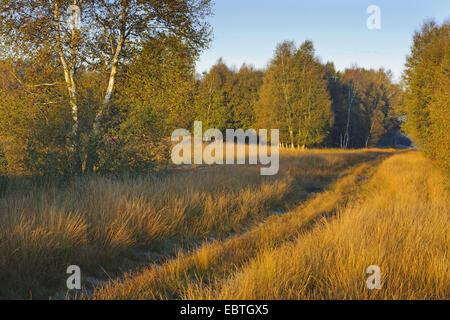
<point x="100" y="222"/>
<point x="213" y="261"/>
<point x="401" y="224"/>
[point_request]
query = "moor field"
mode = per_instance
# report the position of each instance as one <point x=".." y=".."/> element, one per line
<point x="226" y="232"/>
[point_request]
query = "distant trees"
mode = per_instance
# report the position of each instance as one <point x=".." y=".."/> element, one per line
<point x="244" y="96"/>
<point x="294" y="96"/>
<point x="56" y="117"/>
<point x="213" y="97"/>
<point x="427" y="86"/>
<point x="364" y="103"/>
<point x="311" y="103"/>
<point x="225" y="98"/>
<point x="369" y="96"/>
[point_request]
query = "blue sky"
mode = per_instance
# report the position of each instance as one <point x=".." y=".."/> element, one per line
<point x="249" y="30"/>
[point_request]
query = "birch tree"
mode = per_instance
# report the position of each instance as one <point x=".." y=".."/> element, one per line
<point x="371" y="95"/>
<point x="96" y="36"/>
<point x="294" y="96"/>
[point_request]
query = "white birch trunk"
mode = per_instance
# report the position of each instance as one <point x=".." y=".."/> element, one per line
<point x="68" y="75"/>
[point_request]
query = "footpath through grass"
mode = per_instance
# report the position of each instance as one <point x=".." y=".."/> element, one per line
<point x="400" y="222"/>
<point x="194" y="274"/>
<point x="109" y="226"/>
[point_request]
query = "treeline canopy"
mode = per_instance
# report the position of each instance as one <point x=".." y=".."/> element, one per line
<point x="106" y="97"/>
<point x="426" y="104"/>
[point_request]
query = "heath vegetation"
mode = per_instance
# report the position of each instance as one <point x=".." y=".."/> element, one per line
<point x="90" y="93"/>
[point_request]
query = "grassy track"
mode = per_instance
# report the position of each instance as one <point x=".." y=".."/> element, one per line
<point x="401" y="222"/>
<point x="394" y="215"/>
<point x="119" y="224"/>
<point x="215" y="261"/>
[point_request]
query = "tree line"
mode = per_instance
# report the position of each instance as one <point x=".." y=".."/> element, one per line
<point x="426" y="102"/>
<point x="105" y="97"/>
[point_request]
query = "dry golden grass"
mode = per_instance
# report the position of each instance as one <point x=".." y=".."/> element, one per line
<point x="395" y="216"/>
<point x="104" y="222"/>
<point x="178" y="278"/>
<point x="400" y="224"/>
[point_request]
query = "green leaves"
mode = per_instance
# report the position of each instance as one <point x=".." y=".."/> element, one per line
<point x="294" y="96"/>
<point x="427" y="86"/>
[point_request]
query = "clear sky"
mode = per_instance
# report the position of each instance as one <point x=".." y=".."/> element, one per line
<point x="249" y="30"/>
